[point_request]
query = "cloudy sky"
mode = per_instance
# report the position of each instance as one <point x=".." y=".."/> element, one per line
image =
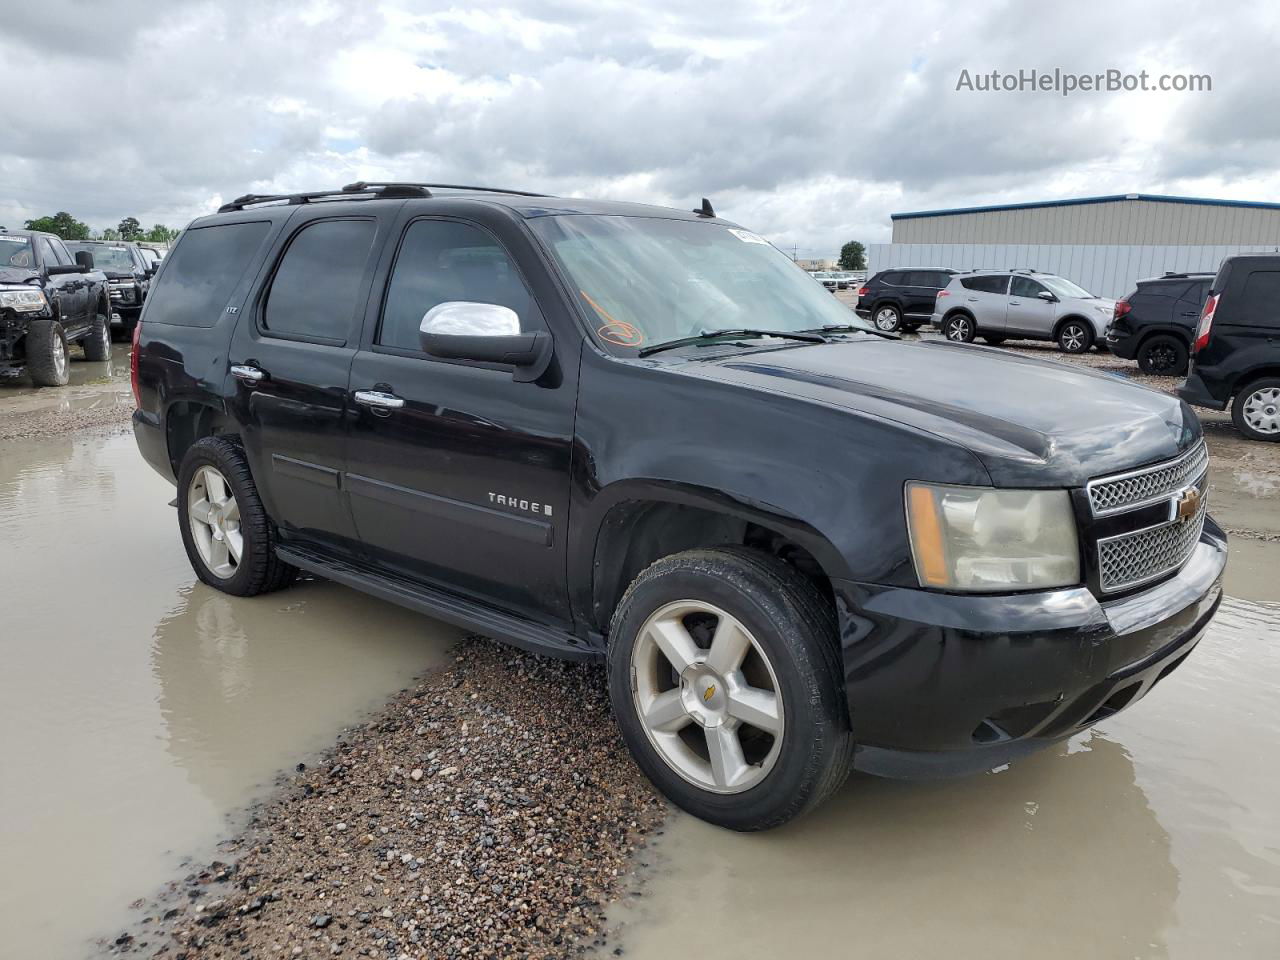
<point x="810" y="123"/>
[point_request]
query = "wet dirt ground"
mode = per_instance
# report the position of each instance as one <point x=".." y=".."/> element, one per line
<point x="139" y="709"/>
<point x="140" y="712"/>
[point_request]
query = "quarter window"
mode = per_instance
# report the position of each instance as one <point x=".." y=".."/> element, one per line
<point x="440" y="261"/>
<point x="319" y="282"/>
<point x="1261" y="295"/>
<point x="203" y="271"/>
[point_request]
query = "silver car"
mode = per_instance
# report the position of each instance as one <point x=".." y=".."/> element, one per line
<point x="1001" y="305"/>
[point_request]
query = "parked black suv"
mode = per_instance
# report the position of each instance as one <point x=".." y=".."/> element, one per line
<point x="49" y="299"/>
<point x="128" y="274"/>
<point x="901" y="299"/>
<point x="1156" y="324"/>
<point x="558" y="423"/>
<point x="1236" y="355"/>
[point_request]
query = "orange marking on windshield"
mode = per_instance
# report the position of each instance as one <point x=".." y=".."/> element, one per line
<point x="615" y="331"/>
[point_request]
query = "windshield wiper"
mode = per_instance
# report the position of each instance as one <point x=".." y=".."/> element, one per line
<point x="806" y="337"/>
<point x="852" y="328"/>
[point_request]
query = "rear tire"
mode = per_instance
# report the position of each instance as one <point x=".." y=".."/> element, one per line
<point x="887" y="318"/>
<point x="1075" y="336"/>
<point x="46" y="348"/>
<point x="97" y="342"/>
<point x="993" y="341"/>
<point x="959" y="328"/>
<point x="744" y="725"/>
<point x="1163" y="356"/>
<point x="230" y="540"/>
<point x="1256" y="410"/>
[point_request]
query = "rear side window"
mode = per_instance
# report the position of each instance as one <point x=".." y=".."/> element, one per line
<point x="202" y="272"/>
<point x="319" y="282"/>
<point x="988" y="284"/>
<point x="893" y="278"/>
<point x="441" y="261"/>
<point x="1260" y="301"/>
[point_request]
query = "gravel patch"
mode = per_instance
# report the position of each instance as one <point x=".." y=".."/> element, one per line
<point x="53" y="421"/>
<point x="490" y="811"/>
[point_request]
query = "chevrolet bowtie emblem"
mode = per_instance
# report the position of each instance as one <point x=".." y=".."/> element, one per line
<point x="1188" y="504"/>
<point x="708" y="693"/>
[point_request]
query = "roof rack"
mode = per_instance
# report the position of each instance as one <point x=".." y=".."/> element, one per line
<point x="293" y="199"/>
<point x="360" y="186"/>
<point x="1023" y="270"/>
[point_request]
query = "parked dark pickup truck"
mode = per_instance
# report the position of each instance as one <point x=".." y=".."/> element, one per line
<point x="641" y="436"/>
<point x="128" y="274"/>
<point x="49" y="299"/>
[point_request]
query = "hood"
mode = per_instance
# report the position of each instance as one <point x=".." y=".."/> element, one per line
<point x="1031" y="422"/>
<point x="16" y="274"/>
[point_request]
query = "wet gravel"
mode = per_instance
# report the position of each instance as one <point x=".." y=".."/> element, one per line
<point x="52" y="421"/>
<point x="490" y="811"/>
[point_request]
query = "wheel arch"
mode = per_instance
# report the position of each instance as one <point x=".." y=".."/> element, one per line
<point x="1263" y="371"/>
<point x="187" y="421"/>
<point x="1169" y="331"/>
<point x="1063" y="321"/>
<point x="641" y="522"/>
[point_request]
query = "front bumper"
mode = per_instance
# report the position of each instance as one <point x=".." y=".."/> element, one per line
<point x="946" y="684"/>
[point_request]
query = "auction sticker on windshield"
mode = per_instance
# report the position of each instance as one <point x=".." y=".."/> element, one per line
<point x="746" y="236"/>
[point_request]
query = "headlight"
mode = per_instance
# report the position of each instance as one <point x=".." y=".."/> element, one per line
<point x="986" y="540"/>
<point x="24" y="301"/>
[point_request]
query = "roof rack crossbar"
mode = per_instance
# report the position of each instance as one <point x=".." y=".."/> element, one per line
<point x="362" y="185"/>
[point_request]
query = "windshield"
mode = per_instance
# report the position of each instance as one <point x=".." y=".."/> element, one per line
<point x="16" y="252"/>
<point x="106" y="256"/>
<point x="1065" y="288"/>
<point x="648" y="280"/>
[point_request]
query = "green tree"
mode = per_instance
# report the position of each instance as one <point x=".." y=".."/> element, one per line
<point x="62" y="224"/>
<point x="853" y="256"/>
<point x="130" y="229"/>
<point x="160" y="234"/>
<point x="109" y="233"/>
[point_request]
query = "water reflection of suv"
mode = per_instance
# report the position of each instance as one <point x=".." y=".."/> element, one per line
<point x="1002" y="305"/>
<point x="625" y="434"/>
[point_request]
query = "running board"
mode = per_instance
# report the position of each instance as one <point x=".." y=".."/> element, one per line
<point x="444" y="606"/>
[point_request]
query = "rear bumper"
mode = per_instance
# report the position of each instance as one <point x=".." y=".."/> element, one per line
<point x="1124" y="346"/>
<point x="942" y="685"/>
<point x="1194" y="391"/>
<point x="148" y="431"/>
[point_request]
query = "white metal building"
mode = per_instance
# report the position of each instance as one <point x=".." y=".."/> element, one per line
<point x="1105" y="244"/>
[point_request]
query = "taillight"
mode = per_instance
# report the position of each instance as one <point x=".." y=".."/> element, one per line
<point x="862" y="291"/>
<point x="1206" y="324"/>
<point x="133" y="365"/>
<point x="1122" y="308"/>
<point x="942" y="293"/>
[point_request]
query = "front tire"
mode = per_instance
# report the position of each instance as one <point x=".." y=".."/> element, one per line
<point x="960" y="328"/>
<point x="1256" y="410"/>
<point x="228" y="536"/>
<point x="1163" y="356"/>
<point x="993" y="340"/>
<point x="887" y="318"/>
<point x="97" y="343"/>
<point x="1075" y="336"/>
<point x="46" y="350"/>
<point x="724" y="673"/>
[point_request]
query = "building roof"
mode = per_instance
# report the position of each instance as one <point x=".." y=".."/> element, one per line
<point x="1202" y="201"/>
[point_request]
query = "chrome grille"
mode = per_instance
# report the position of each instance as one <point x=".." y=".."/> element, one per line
<point x="1134" y="558"/>
<point x="1136" y="488"/>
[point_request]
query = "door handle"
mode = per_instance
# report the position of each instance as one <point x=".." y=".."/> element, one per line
<point x="973" y="299"/>
<point x="247" y="373"/>
<point x="1015" y="303"/>
<point x="379" y="400"/>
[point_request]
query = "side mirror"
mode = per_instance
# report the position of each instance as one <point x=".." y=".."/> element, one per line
<point x="84" y="259"/>
<point x="1047" y="297"/>
<point x="484" y="333"/>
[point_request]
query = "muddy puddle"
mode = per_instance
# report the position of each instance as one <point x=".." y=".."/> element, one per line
<point x="1156" y="835"/>
<point x="139" y="708"/>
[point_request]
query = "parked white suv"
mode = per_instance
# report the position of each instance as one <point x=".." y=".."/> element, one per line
<point x="999" y="305"/>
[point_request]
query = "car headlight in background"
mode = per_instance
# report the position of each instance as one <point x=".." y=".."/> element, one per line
<point x="986" y="540"/>
<point x="23" y="301"/>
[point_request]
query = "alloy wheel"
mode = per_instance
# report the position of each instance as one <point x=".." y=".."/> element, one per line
<point x="1262" y="410"/>
<point x="1073" y="338"/>
<point x="1163" y="358"/>
<point x="707" y="696"/>
<point x="886" y="320"/>
<point x="215" y="522"/>
<point x="59" y="351"/>
<point x="958" y="329"/>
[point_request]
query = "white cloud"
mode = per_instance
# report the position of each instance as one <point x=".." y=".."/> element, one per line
<point x="811" y="124"/>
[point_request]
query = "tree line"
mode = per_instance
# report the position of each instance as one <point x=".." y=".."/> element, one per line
<point x="67" y="227"/>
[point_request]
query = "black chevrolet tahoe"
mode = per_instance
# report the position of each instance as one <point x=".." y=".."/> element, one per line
<point x="1236" y="355"/>
<point x="49" y="299"/>
<point x="1156" y="323"/>
<point x="636" y="435"/>
<point x="128" y="275"/>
